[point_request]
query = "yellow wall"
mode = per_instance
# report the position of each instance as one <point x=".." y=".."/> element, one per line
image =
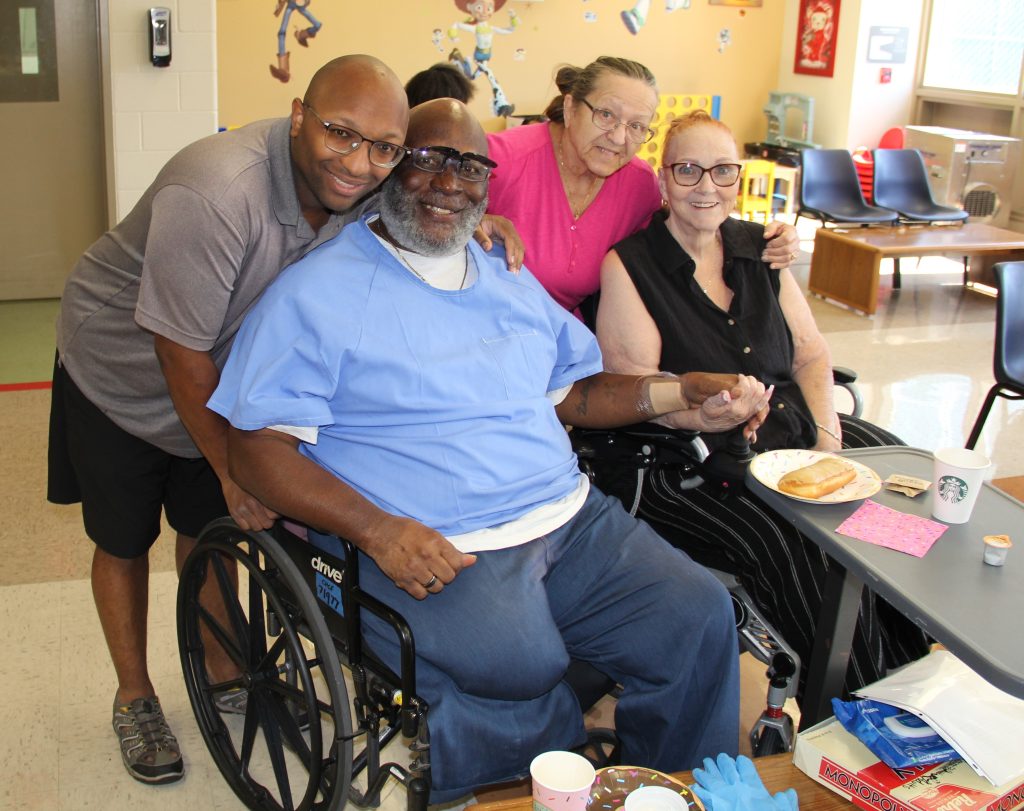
<point x="681" y="48"/>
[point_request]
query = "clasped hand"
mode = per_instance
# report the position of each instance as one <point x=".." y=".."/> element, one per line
<point x="735" y="785"/>
<point x="727" y="401"/>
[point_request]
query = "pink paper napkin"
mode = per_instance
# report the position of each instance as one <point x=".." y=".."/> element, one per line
<point x="882" y="526"/>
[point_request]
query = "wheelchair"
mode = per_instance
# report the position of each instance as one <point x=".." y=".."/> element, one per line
<point x="287" y="614"/>
<point x="290" y="621"/>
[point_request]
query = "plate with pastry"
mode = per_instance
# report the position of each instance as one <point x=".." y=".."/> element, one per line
<point x="816" y="477"/>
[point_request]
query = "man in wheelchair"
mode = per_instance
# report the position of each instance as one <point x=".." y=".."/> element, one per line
<point x="400" y="388"/>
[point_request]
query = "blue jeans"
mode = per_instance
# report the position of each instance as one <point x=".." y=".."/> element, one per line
<point x="493" y="646"/>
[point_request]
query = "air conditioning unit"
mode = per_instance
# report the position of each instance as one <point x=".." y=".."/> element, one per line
<point x="971" y="170"/>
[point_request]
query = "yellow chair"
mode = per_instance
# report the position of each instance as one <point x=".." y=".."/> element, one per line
<point x="671" y="105"/>
<point x="757" y="189"/>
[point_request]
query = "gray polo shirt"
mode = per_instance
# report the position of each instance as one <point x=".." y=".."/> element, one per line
<point x="220" y="221"/>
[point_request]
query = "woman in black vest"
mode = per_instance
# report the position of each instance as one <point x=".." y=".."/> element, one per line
<point x="690" y="292"/>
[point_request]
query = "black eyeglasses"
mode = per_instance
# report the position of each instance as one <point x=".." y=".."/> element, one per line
<point x="606" y="120"/>
<point x="345" y="140"/>
<point x="689" y="174"/>
<point x="434" y="159"/>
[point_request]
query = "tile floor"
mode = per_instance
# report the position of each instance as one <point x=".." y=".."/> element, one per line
<point x="924" y="362"/>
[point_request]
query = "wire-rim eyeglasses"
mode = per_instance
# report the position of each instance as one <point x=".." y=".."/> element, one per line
<point x="344" y="140"/>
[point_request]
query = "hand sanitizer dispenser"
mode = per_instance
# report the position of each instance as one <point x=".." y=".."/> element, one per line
<point x="160" y="36"/>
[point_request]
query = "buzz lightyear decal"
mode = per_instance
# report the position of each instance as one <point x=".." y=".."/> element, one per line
<point x="952" y="489"/>
<point x="480" y="13"/>
<point x="282" y="70"/>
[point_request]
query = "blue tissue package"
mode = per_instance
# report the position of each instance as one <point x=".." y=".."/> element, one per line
<point x="896" y="737"/>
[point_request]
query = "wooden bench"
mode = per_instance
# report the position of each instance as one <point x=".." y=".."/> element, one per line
<point x="845" y="263"/>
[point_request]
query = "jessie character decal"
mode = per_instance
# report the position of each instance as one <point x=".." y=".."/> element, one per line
<point x="480" y="13"/>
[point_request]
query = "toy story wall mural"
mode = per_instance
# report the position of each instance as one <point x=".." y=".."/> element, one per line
<point x="470" y="41"/>
<point x="483" y="30"/>
<point x="285" y="8"/>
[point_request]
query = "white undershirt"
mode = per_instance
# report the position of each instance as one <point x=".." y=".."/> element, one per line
<point x="453" y="272"/>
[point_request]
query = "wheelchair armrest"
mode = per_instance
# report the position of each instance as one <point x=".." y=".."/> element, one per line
<point x="628" y="437"/>
<point x="640" y="441"/>
<point x="847" y="378"/>
<point x="843" y="375"/>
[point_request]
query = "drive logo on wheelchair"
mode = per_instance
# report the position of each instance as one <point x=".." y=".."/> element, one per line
<point x="328" y="580"/>
<point x="325" y="568"/>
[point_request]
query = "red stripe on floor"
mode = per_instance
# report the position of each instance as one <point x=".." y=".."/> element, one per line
<point x="43" y="384"/>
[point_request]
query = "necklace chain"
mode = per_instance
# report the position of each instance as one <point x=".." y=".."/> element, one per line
<point x="379" y="229"/>
<point x="465" y="270"/>
<point x="577" y="212"/>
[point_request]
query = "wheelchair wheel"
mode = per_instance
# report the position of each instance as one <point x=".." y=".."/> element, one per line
<point x="290" y="747"/>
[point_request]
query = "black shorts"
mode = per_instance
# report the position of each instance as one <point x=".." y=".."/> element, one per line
<point x="122" y="481"/>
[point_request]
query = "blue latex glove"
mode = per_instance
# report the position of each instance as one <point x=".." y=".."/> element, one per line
<point x="735" y="785"/>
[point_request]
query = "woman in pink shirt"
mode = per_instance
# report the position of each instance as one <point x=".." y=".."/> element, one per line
<point x="573" y="186"/>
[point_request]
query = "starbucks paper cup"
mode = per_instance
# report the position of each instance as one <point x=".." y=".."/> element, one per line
<point x="959" y="474"/>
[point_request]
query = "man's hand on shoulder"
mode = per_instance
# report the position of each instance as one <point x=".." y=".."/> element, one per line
<point x="492" y="227"/>
<point x="418" y="559"/>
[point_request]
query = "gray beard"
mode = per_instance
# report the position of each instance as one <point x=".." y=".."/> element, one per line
<point x="398" y="214"/>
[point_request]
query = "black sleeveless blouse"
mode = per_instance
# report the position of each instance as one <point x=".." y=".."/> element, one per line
<point x="697" y="336"/>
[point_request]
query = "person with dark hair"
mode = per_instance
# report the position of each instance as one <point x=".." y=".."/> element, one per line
<point x="441" y="81"/>
<point x="691" y="291"/>
<point x="573" y="186"/>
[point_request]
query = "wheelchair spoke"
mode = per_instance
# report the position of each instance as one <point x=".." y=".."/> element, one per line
<point x="223" y="637"/>
<point x="289" y="727"/>
<point x="292" y="692"/>
<point x="272" y="654"/>
<point x="257" y="626"/>
<point x="248" y="740"/>
<point x="272" y="737"/>
<point x="229" y="596"/>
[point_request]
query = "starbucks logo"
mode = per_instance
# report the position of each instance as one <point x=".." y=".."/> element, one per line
<point x="952" y="489"/>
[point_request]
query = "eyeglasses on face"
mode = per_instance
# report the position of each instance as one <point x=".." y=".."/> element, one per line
<point x="345" y="140"/>
<point x="636" y="131"/>
<point x="468" y="166"/>
<point x="689" y="174"/>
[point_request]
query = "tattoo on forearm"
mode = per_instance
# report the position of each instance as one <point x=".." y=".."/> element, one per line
<point x="583" y="400"/>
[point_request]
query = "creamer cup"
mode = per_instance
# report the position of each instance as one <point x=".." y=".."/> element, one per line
<point x="997" y="547"/>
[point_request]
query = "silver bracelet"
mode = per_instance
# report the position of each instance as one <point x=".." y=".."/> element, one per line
<point x="830" y="433"/>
